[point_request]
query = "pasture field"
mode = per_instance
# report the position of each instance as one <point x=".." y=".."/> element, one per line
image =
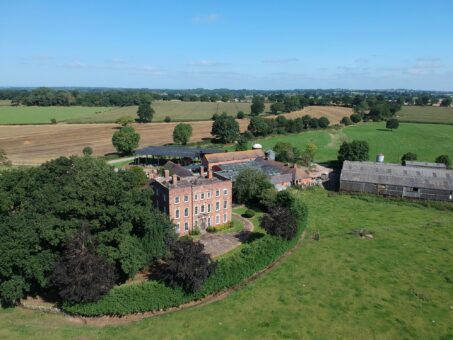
<point x="426" y="114"/>
<point x="177" y="110"/>
<point x="5" y="102"/>
<point x="426" y="140"/>
<point x="397" y="285"/>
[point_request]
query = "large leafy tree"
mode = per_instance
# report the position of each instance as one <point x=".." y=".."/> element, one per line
<point x="408" y="156"/>
<point x="250" y="185"/>
<point x="187" y="266"/>
<point x="182" y="133"/>
<point x="125" y="140"/>
<point x="225" y="128"/>
<point x="259" y="126"/>
<point x="392" y="124"/>
<point x="445" y="159"/>
<point x="81" y="275"/>
<point x="354" y="151"/>
<point x="257" y="106"/>
<point x="40" y="208"/>
<point x="280" y="221"/>
<point x="285" y="152"/>
<point x="145" y="112"/>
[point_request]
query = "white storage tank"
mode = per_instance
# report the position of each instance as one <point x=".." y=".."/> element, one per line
<point x="380" y="158"/>
<point x="257" y="146"/>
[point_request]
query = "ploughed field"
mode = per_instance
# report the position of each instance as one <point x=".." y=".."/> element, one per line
<point x="33" y="144"/>
<point x="397" y="284"/>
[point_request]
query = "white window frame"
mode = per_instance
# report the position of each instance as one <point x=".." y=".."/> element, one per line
<point x="186" y="198"/>
<point x="209" y="207"/>
<point x="217" y="219"/>
<point x="217" y="193"/>
<point x="217" y="206"/>
<point x="225" y="191"/>
<point x="177" y="215"/>
<point x="196" y="210"/>
<point x="195" y="197"/>
<point x="208" y="194"/>
<point x="186" y="226"/>
<point x="225" y="218"/>
<point x="209" y="221"/>
<point x="202" y="209"/>
<point x="186" y="212"/>
<point x="225" y="204"/>
<point x="178" y="230"/>
<point x="176" y="199"/>
<point x="202" y="196"/>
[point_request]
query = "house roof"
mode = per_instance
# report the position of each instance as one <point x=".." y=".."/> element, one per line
<point x="233" y="156"/>
<point x="399" y="175"/>
<point x="426" y="164"/>
<point x="176" y="169"/>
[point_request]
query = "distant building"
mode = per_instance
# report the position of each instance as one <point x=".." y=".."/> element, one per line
<point x="210" y="160"/>
<point x="197" y="201"/>
<point x="414" y="180"/>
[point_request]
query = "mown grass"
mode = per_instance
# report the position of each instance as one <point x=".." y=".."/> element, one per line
<point x="395" y="286"/>
<point x="426" y="114"/>
<point x="426" y="140"/>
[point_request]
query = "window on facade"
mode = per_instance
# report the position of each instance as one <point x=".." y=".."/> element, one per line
<point x="217" y="219"/>
<point x="177" y="213"/>
<point x="225" y="204"/>
<point x="176" y="199"/>
<point x="196" y="210"/>
<point x="186" y="226"/>
<point x="224" y="218"/>
<point x="177" y="228"/>
<point x="217" y="192"/>
<point x="186" y="212"/>
<point x="165" y="198"/>
<point x="217" y="206"/>
<point x="208" y="194"/>
<point x="209" y="222"/>
<point x="225" y="191"/>
<point x="202" y="208"/>
<point x="202" y="196"/>
<point x="196" y="223"/>
<point x="195" y="197"/>
<point x="186" y="198"/>
<point x="209" y="207"/>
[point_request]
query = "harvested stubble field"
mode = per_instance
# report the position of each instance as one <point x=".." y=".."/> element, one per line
<point x="333" y="113"/>
<point x="33" y="144"/>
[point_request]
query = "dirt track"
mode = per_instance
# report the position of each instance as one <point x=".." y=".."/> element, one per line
<point x="34" y="144"/>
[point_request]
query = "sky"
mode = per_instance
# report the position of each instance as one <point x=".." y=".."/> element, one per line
<point x="228" y="44"/>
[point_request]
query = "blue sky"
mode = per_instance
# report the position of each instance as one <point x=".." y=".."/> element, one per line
<point x="234" y="44"/>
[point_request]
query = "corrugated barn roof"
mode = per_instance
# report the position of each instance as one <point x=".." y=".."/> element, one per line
<point x="399" y="175"/>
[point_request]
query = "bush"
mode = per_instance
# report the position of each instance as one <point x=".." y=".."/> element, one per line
<point x="408" y="156"/>
<point x="167" y="119"/>
<point x="356" y="118"/>
<point x="194" y="232"/>
<point x="392" y="123"/>
<point x="445" y="159"/>
<point x="87" y="151"/>
<point x="240" y="115"/>
<point x="53" y="121"/>
<point x="153" y="295"/>
<point x="280" y="222"/>
<point x="346" y="121"/>
<point x="125" y="140"/>
<point x="249" y="213"/>
<point x="211" y="229"/>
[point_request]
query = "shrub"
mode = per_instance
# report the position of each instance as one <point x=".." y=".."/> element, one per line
<point x="445" y="159"/>
<point x="153" y="295"/>
<point x="354" y="151"/>
<point x="356" y="117"/>
<point x="125" y="120"/>
<point x="87" y="151"/>
<point x="53" y="121"/>
<point x="187" y="267"/>
<point x="125" y="140"/>
<point x="167" y="119"/>
<point x="323" y="122"/>
<point x="240" y="115"/>
<point x="280" y="222"/>
<point x="249" y="213"/>
<point x="194" y="232"/>
<point x="408" y="156"/>
<point x="346" y="121"/>
<point x="392" y="123"/>
<point x="211" y="229"/>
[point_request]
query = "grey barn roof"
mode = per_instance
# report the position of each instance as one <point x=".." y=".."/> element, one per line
<point x="174" y="151"/>
<point x="426" y="164"/>
<point x="398" y="175"/>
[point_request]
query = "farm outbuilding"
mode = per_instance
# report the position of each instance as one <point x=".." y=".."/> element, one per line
<point x="164" y="153"/>
<point x="419" y="181"/>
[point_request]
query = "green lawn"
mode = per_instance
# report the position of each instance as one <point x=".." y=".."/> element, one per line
<point x="426" y="114"/>
<point x="398" y="285"/>
<point x="427" y="140"/>
<point x="178" y="111"/>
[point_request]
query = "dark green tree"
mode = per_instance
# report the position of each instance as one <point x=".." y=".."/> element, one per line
<point x="285" y="152"/>
<point x="445" y="159"/>
<point x="250" y="185"/>
<point x="87" y="151"/>
<point x="259" y="126"/>
<point x="225" y="129"/>
<point x="354" y="151"/>
<point x="242" y="144"/>
<point x="257" y="106"/>
<point x="356" y="117"/>
<point x="392" y="124"/>
<point x="281" y="222"/>
<point x="182" y="133"/>
<point x="145" y="112"/>
<point x="323" y="122"/>
<point x="240" y="115"/>
<point x="446" y="102"/>
<point x="125" y="140"/>
<point x="277" y="107"/>
<point x="408" y="156"/>
<point x="346" y="121"/>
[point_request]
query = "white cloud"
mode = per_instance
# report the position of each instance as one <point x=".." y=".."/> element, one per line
<point x="281" y="61"/>
<point x="213" y="17"/>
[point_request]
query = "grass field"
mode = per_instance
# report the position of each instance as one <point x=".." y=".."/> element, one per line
<point x="178" y="111"/>
<point x="396" y="286"/>
<point x="427" y="140"/>
<point x="426" y="114"/>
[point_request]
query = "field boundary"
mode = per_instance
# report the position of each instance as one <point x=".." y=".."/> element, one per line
<point x="102" y="321"/>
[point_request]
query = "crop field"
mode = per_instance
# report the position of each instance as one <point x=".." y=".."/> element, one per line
<point x="397" y="285"/>
<point x="176" y="110"/>
<point x="31" y="144"/>
<point x="426" y="140"/>
<point x="426" y="114"/>
<point x="333" y="113"/>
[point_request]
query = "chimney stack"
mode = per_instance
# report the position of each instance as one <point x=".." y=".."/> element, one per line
<point x="167" y="175"/>
<point x="201" y="171"/>
<point x="175" y="179"/>
<point x="209" y="174"/>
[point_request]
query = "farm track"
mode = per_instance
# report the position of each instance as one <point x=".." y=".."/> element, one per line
<point x="34" y="144"/>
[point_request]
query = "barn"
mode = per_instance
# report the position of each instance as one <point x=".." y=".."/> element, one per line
<point x="430" y="181"/>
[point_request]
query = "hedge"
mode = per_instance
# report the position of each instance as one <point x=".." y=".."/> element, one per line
<point x="153" y="295"/>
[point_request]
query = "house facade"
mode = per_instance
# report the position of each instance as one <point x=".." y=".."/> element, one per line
<point x="198" y="201"/>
